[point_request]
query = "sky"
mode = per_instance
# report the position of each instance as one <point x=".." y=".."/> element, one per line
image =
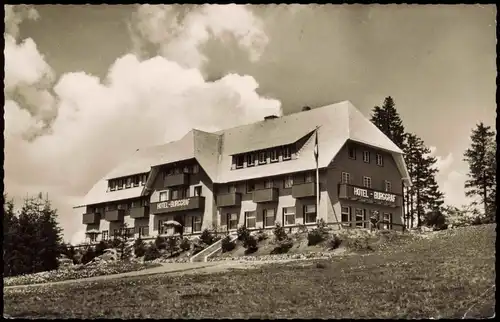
<point x="85" y="86"/>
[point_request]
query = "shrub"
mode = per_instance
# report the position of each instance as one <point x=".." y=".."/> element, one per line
<point x="314" y="237"/>
<point x="250" y="244"/>
<point x="152" y="253"/>
<point x="88" y="255"/>
<point x="172" y="245"/>
<point x="334" y="242"/>
<point x="322" y="227"/>
<point x="283" y="246"/>
<point x="207" y="237"/>
<point x="359" y="244"/>
<point x="100" y="247"/>
<point x="185" y="244"/>
<point x="243" y="233"/>
<point x="198" y="246"/>
<point x="116" y="242"/>
<point x="279" y="233"/>
<point x="435" y="219"/>
<point x="227" y="244"/>
<point x="261" y="235"/>
<point x="139" y="248"/>
<point x="160" y="242"/>
<point x="302" y="228"/>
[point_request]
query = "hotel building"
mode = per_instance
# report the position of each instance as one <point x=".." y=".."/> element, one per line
<point x="256" y="175"/>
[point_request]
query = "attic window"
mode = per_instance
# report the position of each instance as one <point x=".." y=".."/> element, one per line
<point x="274" y="155"/>
<point x="287" y="154"/>
<point x="239" y="161"/>
<point x="262" y="157"/>
<point x="250" y="160"/>
<point x="352" y="153"/>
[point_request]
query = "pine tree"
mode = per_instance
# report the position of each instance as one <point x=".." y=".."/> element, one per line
<point x="387" y="119"/>
<point x="481" y="157"/>
<point x="11" y="261"/>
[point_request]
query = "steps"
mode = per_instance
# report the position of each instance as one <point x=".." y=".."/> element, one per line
<point x="210" y="250"/>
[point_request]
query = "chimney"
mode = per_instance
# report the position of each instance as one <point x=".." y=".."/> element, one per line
<point x="306" y="108"/>
<point x="270" y="117"/>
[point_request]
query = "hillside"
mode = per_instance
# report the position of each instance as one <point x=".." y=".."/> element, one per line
<point x="445" y="275"/>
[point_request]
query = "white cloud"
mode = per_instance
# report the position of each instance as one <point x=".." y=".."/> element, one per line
<point x="14" y="15"/>
<point x="99" y="122"/>
<point x="452" y="186"/>
<point x="444" y="164"/>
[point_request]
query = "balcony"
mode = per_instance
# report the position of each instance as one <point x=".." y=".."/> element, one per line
<point x="304" y="190"/>
<point x="139" y="212"/>
<point x="192" y="203"/>
<point x="265" y="195"/>
<point x="368" y="195"/>
<point x="176" y="180"/>
<point x="91" y="218"/>
<point x="114" y="215"/>
<point x="229" y="200"/>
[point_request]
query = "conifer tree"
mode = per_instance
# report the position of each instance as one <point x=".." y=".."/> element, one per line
<point x="387" y="119"/>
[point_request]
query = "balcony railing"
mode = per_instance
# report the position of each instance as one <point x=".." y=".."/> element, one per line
<point x="91" y="218"/>
<point x="192" y="203"/>
<point x="114" y="215"/>
<point x="265" y="195"/>
<point x="304" y="190"/>
<point x="139" y="212"/>
<point x="176" y="180"/>
<point x="232" y="199"/>
<point x="368" y="195"/>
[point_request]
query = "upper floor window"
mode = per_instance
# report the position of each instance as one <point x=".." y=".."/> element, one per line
<point x="288" y="182"/>
<point x="262" y="157"/>
<point x="129" y="182"/>
<point x="274" y="155"/>
<point x="250" y="186"/>
<point x="231" y="188"/>
<point x="351" y="152"/>
<point x="239" y="161"/>
<point x="250" y="159"/>
<point x="268" y="184"/>
<point x="196" y="168"/>
<point x="287" y="153"/>
<point x="144" y="179"/>
<point x="388" y="186"/>
<point x="380" y="160"/>
<point x="346" y="177"/>
<point x="137" y="179"/>
<point x="367" y="182"/>
<point x="308" y="177"/>
<point x="120" y="184"/>
<point x="164" y="196"/>
<point x="197" y="191"/>
<point x="366" y="156"/>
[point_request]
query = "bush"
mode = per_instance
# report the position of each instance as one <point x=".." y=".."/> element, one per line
<point x="436" y="219"/>
<point x="185" y="244"/>
<point x="334" y="242"/>
<point x="100" y="247"/>
<point x="261" y="235"/>
<point x="279" y="233"/>
<point x="282" y="247"/>
<point x="359" y="244"/>
<point x="243" y="233"/>
<point x="139" y="248"/>
<point x="302" y="228"/>
<point x="207" y="237"/>
<point x="198" y="246"/>
<point x="116" y="242"/>
<point x="314" y="237"/>
<point x="227" y="244"/>
<point x="88" y="255"/>
<point x="250" y="244"/>
<point x="152" y="253"/>
<point x="160" y="242"/>
<point x="322" y="227"/>
<point x="172" y="245"/>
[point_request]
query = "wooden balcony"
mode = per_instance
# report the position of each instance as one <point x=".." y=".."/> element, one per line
<point x="229" y="200"/>
<point x="91" y="218"/>
<point x="176" y="180"/>
<point x="192" y="203"/>
<point x="363" y="194"/>
<point x="265" y="195"/>
<point x="139" y="212"/>
<point x="304" y="190"/>
<point x="114" y="215"/>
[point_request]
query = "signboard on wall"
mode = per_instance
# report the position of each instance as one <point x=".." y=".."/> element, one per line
<point x="369" y="195"/>
<point x="382" y="196"/>
<point x="192" y="203"/>
<point x="172" y="204"/>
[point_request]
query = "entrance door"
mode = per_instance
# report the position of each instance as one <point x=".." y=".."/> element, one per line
<point x="180" y="220"/>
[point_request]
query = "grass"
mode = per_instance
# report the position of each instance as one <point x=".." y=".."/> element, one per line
<point x="439" y="277"/>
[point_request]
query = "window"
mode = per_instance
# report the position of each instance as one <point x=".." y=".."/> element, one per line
<point x="143" y="231"/>
<point x="232" y="221"/>
<point x="250" y="160"/>
<point x="268" y="183"/>
<point x="129" y="232"/>
<point x="346" y="177"/>
<point x="262" y="157"/>
<point x="380" y="160"/>
<point x="129" y="182"/>
<point x="112" y="185"/>
<point x="136" y="204"/>
<point x="367" y="182"/>
<point x="186" y="169"/>
<point x="345" y="213"/>
<point x="196" y="168"/>
<point x="196" y="224"/>
<point x="231" y="188"/>
<point x="269" y="217"/>
<point x="123" y="206"/>
<point x="308" y="177"/>
<point x="366" y="156"/>
<point x="174" y="194"/>
<point x="111" y="207"/>
<point x="169" y="172"/>
<point x="274" y="155"/>
<point x="387" y="221"/>
<point x="310" y="214"/>
<point x="287" y="154"/>
<point x="239" y="161"/>
<point x="288" y="182"/>
<point x="388" y="186"/>
<point x="197" y="191"/>
<point x="161" y="227"/>
<point x="250" y="186"/>
<point x="137" y="180"/>
<point x="92" y="236"/>
<point x="352" y="153"/>
<point x="116" y="233"/>
<point x="289" y="216"/>
<point x="164" y="196"/>
<point x="250" y="219"/>
<point x="120" y="184"/>
<point x="359" y="217"/>
<point x="105" y="235"/>
<point x="177" y="170"/>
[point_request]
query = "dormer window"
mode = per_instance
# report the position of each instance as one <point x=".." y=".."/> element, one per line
<point x="262" y="157"/>
<point x="239" y="161"/>
<point x="120" y="184"/>
<point x="137" y="179"/>
<point x="129" y="182"/>
<point x="287" y="153"/>
<point x="250" y="159"/>
<point x="112" y="185"/>
<point x="274" y="155"/>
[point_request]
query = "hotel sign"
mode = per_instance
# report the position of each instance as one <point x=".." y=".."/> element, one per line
<point x="382" y="196"/>
<point x="172" y="204"/>
<point x="369" y="195"/>
<point x="192" y="203"/>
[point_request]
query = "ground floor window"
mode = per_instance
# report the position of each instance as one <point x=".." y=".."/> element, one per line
<point x="104" y="235"/>
<point x="92" y="237"/>
<point x="387" y="221"/>
<point x="196" y="224"/>
<point x="250" y="219"/>
<point x="310" y="214"/>
<point x="143" y="231"/>
<point x="269" y="217"/>
<point x="289" y="216"/>
<point x="345" y="214"/>
<point x="232" y="221"/>
<point x="359" y="213"/>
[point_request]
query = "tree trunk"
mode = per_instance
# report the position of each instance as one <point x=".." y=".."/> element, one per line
<point x="411" y="209"/>
<point x="485" y="194"/>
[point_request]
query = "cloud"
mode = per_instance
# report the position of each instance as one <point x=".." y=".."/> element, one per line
<point x="178" y="32"/>
<point x="14" y="15"/>
<point x="444" y="164"/>
<point x="99" y="122"/>
<point x="452" y="186"/>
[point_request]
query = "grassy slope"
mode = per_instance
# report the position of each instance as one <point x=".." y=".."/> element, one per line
<point x="438" y="277"/>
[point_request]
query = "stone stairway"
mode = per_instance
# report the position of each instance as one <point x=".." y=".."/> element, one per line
<point x="210" y="250"/>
